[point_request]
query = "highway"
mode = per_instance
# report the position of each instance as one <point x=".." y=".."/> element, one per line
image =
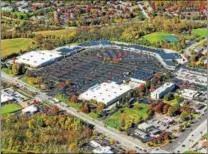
<point x="177" y="143"/>
<point x="192" y="46"/>
<point x="193" y="138"/>
<point x="126" y="141"/>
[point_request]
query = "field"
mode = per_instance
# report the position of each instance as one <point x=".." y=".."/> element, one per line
<point x="65" y="100"/>
<point x="172" y="102"/>
<point x="160" y="36"/>
<point x="56" y="33"/>
<point x="25" y="79"/>
<point x="191" y="152"/>
<point x="10" y="46"/>
<point x="93" y="115"/>
<point x="9" y="108"/>
<point x="202" y="32"/>
<point x="129" y="115"/>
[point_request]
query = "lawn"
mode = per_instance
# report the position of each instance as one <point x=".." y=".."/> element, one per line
<point x="172" y="102"/>
<point x="129" y="116"/>
<point x="25" y="79"/>
<point x="202" y="32"/>
<point x="10" y="46"/>
<point x="191" y="152"/>
<point x="66" y="101"/>
<point x="10" y="108"/>
<point x="6" y="70"/>
<point x="56" y="33"/>
<point x="160" y="36"/>
<point x="93" y="115"/>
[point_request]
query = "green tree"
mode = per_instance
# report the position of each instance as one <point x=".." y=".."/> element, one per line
<point x="172" y="110"/>
<point x="184" y="116"/>
<point x="14" y="69"/>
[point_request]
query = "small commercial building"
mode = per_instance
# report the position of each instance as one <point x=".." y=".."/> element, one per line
<point x="163" y="90"/>
<point x="189" y="94"/>
<point x="30" y="109"/>
<point x="6" y="97"/>
<point x="99" y="148"/>
<point x="144" y="126"/>
<point x="107" y="93"/>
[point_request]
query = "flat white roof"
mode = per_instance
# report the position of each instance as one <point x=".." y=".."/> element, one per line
<point x="163" y="87"/>
<point x="103" y="149"/>
<point x="38" y="58"/>
<point x="144" y="126"/>
<point x="105" y="92"/>
<point x="5" y="97"/>
<point x="188" y="93"/>
<point x="30" y="109"/>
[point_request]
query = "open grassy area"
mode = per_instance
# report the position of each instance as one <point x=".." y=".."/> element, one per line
<point x="6" y="70"/>
<point x="129" y="116"/>
<point x="10" y="46"/>
<point x="191" y="152"/>
<point x="93" y="115"/>
<point x="172" y="102"/>
<point x="159" y="36"/>
<point x="202" y="32"/>
<point x="56" y="33"/>
<point x="66" y="100"/>
<point x="25" y="79"/>
<point x="10" y="108"/>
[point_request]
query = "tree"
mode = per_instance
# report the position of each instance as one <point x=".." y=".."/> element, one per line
<point x="158" y="107"/>
<point x="112" y="141"/>
<point x="73" y="147"/>
<point x="165" y="108"/>
<point x="178" y="98"/>
<point x="85" y="108"/>
<point x="35" y="102"/>
<point x="68" y="82"/>
<point x="166" y="98"/>
<point x="145" y="116"/>
<point x="185" y="108"/>
<point x="29" y="134"/>
<point x="100" y="106"/>
<point x="184" y="116"/>
<point x="39" y="38"/>
<point x="74" y="99"/>
<point x="140" y="89"/>
<point x="14" y="69"/>
<point x="55" y="109"/>
<point x="122" y="123"/>
<point x="137" y="106"/>
<point x="172" y="110"/>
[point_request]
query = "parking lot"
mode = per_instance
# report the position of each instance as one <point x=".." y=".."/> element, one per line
<point x="94" y="66"/>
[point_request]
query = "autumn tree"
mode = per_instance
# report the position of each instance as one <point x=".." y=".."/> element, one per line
<point x="100" y="106"/>
<point x="158" y="107"/>
<point x="165" y="108"/>
<point x="68" y="82"/>
<point x="172" y="110"/>
<point x="184" y="116"/>
<point x="14" y="69"/>
<point x="85" y="108"/>
<point x="140" y="90"/>
<point x="55" y="109"/>
<point x="74" y="99"/>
